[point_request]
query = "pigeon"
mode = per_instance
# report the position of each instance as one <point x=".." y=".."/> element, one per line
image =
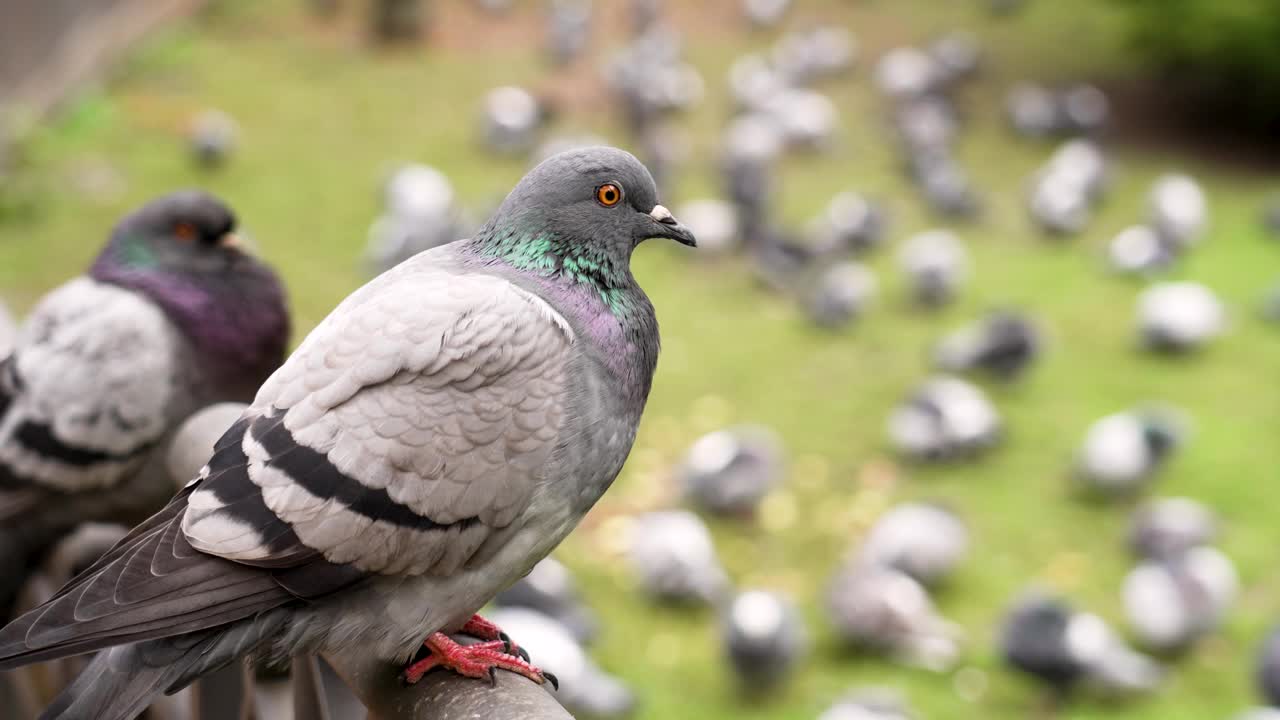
<point x="945" y="418"/>
<point x="956" y="56"/>
<point x="714" y="223"/>
<point x="1065" y="192"/>
<point x="511" y="118"/>
<point x="926" y="125"/>
<point x="674" y="558"/>
<point x="841" y="294"/>
<point x="1173" y="602"/>
<point x="193" y="443"/>
<point x="936" y="264"/>
<point x="8" y="331"/>
<point x="806" y="118"/>
<point x="1083" y="109"/>
<point x="730" y="471"/>
<point x="945" y="185"/>
<point x="869" y="705"/>
<point x="879" y="609"/>
<point x="751" y="146"/>
<point x="1140" y="250"/>
<point x="764" y="638"/>
<point x="765" y="13"/>
<point x="652" y="81"/>
<point x="584" y="688"/>
<point x="1122" y="452"/>
<point x="1032" y="110"/>
<point x="1268" y="672"/>
<point x="420" y="213"/>
<point x="568" y="26"/>
<point x="1178" y="317"/>
<point x="905" y="73"/>
<point x="1178" y="210"/>
<point x="924" y="540"/>
<point x="1063" y="648"/>
<point x="1003" y="344"/>
<point x="549" y="588"/>
<point x="1169" y="527"/>
<point x="431" y="440"/>
<point x="170" y="317"/>
<point x="213" y="138"/>
<point x="805" y="56"/>
<point x="781" y="259"/>
<point x="850" y="224"/>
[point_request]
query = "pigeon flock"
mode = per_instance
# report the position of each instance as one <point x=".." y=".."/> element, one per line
<point x="433" y="439"/>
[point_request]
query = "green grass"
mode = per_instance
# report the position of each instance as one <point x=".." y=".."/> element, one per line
<point x="325" y="118"/>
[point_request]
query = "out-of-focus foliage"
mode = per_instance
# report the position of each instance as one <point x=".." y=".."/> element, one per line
<point x="1225" y="52"/>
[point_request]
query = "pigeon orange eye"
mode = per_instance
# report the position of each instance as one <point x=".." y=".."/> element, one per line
<point x="608" y="195"/>
<point x="184" y="231"/>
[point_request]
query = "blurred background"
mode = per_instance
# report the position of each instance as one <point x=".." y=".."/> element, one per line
<point x="1085" y="191"/>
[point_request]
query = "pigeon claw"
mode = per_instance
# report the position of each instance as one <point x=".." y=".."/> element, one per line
<point x="480" y="661"/>
<point x="482" y="629"/>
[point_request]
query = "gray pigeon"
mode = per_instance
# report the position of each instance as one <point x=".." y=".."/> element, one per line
<point x="924" y="540"/>
<point x="426" y="445"/>
<point x="715" y="223"/>
<point x="1065" y="192"/>
<point x="1032" y="110"/>
<point x="936" y="264"/>
<point x="170" y="317"/>
<point x="674" y="558"/>
<point x="1173" y="602"/>
<point x="879" y="609"/>
<point x="850" y="224"/>
<point x="1048" y="640"/>
<point x="1002" y="344"/>
<point x="841" y="293"/>
<point x="945" y="418"/>
<point x="1179" y="317"/>
<point x="1122" y="452"/>
<point x="730" y="471"/>
<point x="213" y="138"/>
<point x="511" y="118"/>
<point x="420" y="212"/>
<point x="8" y="331"/>
<point x="549" y="588"/>
<point x="956" y="55"/>
<point x="1178" y="209"/>
<point x="568" y="25"/>
<point x="1140" y="250"/>
<point x="869" y="705"/>
<point x="1268" y="671"/>
<point x="1169" y="527"/>
<point x="764" y="638"/>
<point x="805" y="56"/>
<point x="585" y="689"/>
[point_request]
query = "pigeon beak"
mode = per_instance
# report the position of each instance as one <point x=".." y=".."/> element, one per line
<point x="671" y="228"/>
<point x="230" y="240"/>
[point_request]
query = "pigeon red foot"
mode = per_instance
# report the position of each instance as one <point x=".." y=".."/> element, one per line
<point x="482" y="660"/>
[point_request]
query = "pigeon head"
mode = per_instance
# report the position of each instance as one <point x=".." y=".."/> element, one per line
<point x="180" y="252"/>
<point x="579" y="215"/>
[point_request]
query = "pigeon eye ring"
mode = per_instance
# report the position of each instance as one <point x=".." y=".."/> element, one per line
<point x="609" y="194"/>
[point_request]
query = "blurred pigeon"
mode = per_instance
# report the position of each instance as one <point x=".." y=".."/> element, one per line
<point x="1169" y="527"/>
<point x="1139" y="250"/>
<point x="870" y="705"/>
<point x="1004" y="344"/>
<point x="1179" y="316"/>
<point x="1268" y="672"/>
<point x="1178" y="210"/>
<point x="926" y="125"/>
<point x="956" y="56"/>
<point x="662" y="147"/>
<point x="1259" y="714"/>
<point x="936" y="264"/>
<point x="419" y="214"/>
<point x="1083" y="109"/>
<point x="674" y="558"/>
<point x="850" y="224"/>
<point x="568" y="23"/>
<point x="388" y="478"/>
<point x="1175" y="601"/>
<point x="213" y="137"/>
<point x="923" y="540"/>
<point x="714" y="223"/>
<point x="780" y="259"/>
<point x="752" y="144"/>
<point x="171" y="316"/>
<point x="805" y="56"/>
<point x="841" y="294"/>
<point x="945" y="185"/>
<point x="907" y="72"/>
<point x="1032" y="110"/>
<point x="807" y="119"/>
<point x="882" y="610"/>
<point x="1064" y="193"/>
<point x="764" y="638"/>
<point x="192" y="445"/>
<point x="652" y="81"/>
<point x="8" y="331"/>
<point x="512" y="117"/>
<point x="584" y="688"/>
<point x="754" y="82"/>
<point x="1122" y="452"/>
<point x="730" y="471"/>
<point x="1271" y="216"/>
<point x="765" y="13"/>
<point x="550" y="589"/>
<point x="1062" y="648"/>
<point x="944" y="418"/>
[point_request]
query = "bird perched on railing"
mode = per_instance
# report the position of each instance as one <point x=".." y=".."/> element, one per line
<point x="171" y="316"/>
<point x="433" y="438"/>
